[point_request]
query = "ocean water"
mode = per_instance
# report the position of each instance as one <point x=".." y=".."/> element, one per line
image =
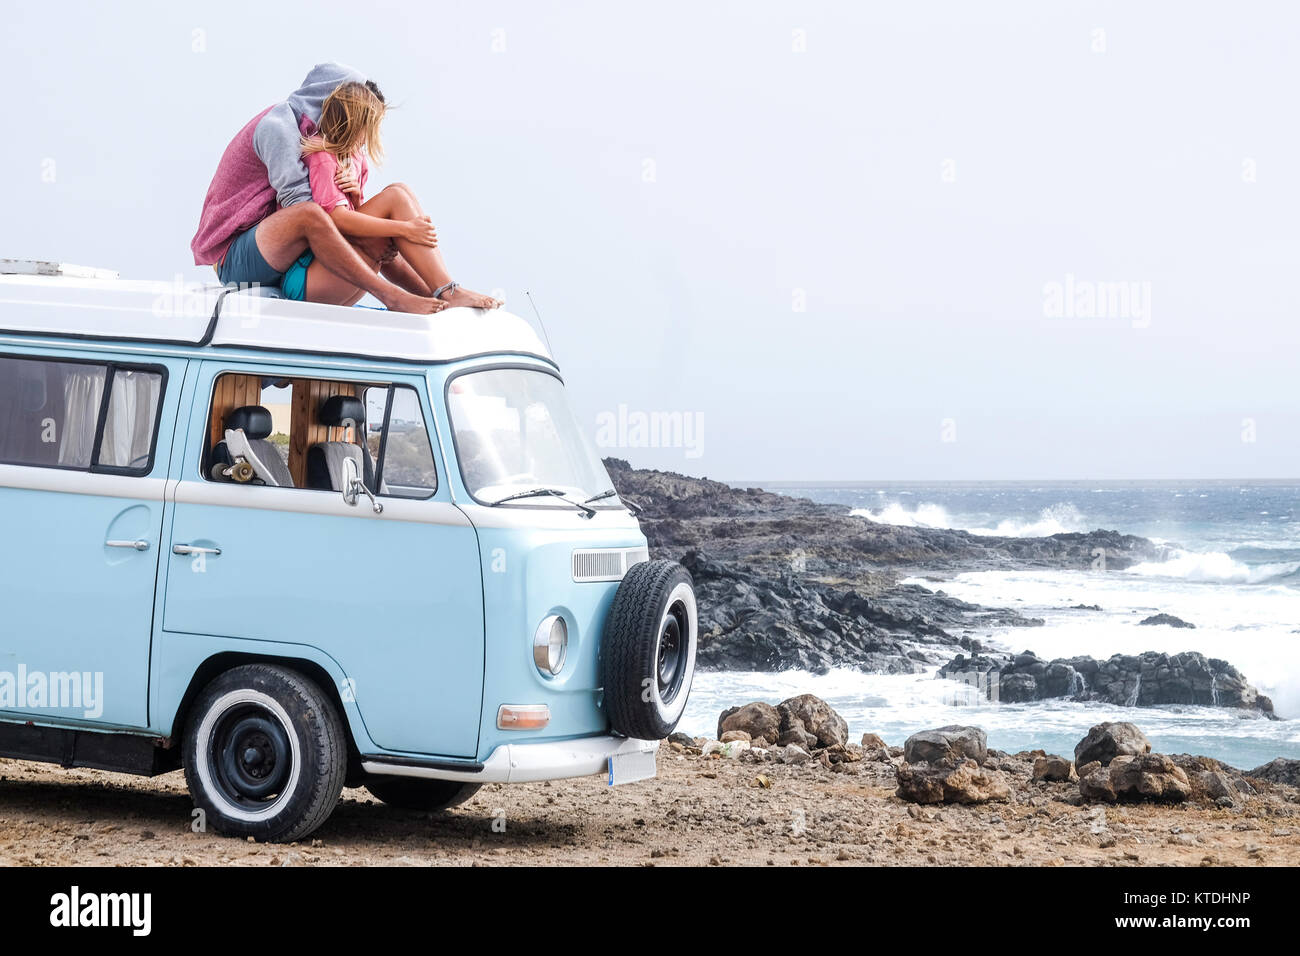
<point x="1233" y="571"/>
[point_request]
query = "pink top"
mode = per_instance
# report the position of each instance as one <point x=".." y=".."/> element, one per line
<point x="322" y="166"/>
<point x="240" y="196"/>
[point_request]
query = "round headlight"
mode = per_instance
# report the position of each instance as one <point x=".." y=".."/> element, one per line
<point x="550" y="645"/>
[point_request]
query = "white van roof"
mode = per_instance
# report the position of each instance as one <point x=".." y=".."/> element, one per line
<point x="56" y="299"/>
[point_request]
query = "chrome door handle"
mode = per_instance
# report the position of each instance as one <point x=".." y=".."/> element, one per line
<point x="137" y="545"/>
<point x="194" y="549"/>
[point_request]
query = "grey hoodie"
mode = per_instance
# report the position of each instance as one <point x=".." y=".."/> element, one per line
<point x="277" y="140"/>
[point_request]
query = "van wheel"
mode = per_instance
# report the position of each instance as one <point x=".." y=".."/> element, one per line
<point x="265" y="753"/>
<point x="648" y="651"/>
<point x="411" y="793"/>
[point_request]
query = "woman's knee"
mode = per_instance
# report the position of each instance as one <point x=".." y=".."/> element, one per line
<point x="408" y="192"/>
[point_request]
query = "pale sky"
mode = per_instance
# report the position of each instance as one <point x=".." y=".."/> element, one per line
<point x="820" y="232"/>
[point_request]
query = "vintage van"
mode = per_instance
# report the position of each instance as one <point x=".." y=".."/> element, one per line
<point x="289" y="548"/>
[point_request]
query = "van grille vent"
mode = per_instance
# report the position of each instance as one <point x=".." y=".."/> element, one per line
<point x="606" y="564"/>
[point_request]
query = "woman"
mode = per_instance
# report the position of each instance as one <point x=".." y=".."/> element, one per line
<point x="337" y="157"/>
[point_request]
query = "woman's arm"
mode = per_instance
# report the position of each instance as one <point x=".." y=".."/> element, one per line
<point x="351" y="223"/>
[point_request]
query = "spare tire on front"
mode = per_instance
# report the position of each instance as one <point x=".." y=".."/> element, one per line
<point x="648" y="651"/>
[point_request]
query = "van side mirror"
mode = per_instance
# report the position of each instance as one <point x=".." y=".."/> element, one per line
<point x="354" y="487"/>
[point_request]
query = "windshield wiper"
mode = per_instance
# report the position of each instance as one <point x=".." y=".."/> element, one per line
<point x="634" y="509"/>
<point x="545" y="492"/>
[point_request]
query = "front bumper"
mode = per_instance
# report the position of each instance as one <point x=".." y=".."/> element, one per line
<point x="524" y="762"/>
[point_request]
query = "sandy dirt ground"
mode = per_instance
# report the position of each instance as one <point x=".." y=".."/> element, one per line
<point x="699" y="811"/>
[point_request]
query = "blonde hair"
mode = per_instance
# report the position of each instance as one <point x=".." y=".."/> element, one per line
<point x="349" y="119"/>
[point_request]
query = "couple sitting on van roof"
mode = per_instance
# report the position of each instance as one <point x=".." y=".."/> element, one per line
<point x="286" y="207"/>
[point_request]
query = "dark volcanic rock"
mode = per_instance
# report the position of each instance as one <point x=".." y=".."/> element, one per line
<point x="787" y="582"/>
<point x="1165" y="619"/>
<point x="1280" y="770"/>
<point x="750" y="621"/>
<point x="681" y="514"/>
<point x="1135" y="680"/>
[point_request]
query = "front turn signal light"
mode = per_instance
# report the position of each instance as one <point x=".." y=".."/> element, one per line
<point x="523" y="716"/>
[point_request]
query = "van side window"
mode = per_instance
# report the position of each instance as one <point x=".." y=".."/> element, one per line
<point x="398" y="440"/>
<point x="54" y="415"/>
<point x="300" y="432"/>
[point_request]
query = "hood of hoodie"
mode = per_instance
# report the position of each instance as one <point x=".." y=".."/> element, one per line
<point x="322" y="80"/>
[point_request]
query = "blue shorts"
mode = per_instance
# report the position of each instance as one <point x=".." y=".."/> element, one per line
<point x="294" y="283"/>
<point x="244" y="264"/>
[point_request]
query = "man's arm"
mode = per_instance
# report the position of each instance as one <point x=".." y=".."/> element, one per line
<point x="278" y="144"/>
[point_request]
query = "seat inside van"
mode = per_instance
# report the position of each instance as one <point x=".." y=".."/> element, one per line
<point x="325" y="459"/>
<point x="254" y="424"/>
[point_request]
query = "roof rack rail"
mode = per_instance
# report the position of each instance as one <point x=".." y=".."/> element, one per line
<point x="44" y="267"/>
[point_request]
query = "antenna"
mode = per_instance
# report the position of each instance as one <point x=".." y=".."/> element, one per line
<point x="540" y="323"/>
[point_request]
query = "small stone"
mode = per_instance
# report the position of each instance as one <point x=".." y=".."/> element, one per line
<point x="793" y="753"/>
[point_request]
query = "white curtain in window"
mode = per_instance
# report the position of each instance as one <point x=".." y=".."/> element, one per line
<point x="132" y="408"/>
<point x="82" y="389"/>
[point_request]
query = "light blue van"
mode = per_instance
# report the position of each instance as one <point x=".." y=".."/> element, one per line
<point x="289" y="548"/>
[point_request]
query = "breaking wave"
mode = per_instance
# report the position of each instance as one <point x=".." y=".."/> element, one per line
<point x="1055" y="519"/>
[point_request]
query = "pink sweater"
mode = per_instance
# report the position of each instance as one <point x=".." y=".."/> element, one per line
<point x="240" y="196"/>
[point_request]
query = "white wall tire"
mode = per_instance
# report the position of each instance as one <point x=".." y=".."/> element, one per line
<point x="265" y="753"/>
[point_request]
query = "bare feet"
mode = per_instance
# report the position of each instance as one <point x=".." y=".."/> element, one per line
<point x="469" y="299"/>
<point x="399" y="300"/>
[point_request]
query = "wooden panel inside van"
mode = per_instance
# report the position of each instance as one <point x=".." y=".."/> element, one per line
<point x="308" y="396"/>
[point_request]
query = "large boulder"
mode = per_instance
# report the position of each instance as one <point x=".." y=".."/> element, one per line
<point x="812" y="719"/>
<point x="952" y="742"/>
<point x="758" y="719"/>
<point x="1127" y="778"/>
<point x="1109" y="740"/>
<point x="950" y="781"/>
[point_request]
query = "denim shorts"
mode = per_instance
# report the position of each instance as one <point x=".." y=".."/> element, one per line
<point x="244" y="264"/>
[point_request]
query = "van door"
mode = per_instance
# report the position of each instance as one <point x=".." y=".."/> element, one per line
<point x="84" y="451"/>
<point x="396" y="598"/>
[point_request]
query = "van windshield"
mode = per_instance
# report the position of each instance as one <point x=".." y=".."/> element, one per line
<point x="515" y="432"/>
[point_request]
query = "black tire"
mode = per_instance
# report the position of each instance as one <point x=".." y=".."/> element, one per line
<point x="648" y="650"/>
<point x="413" y="793"/>
<point x="265" y="753"/>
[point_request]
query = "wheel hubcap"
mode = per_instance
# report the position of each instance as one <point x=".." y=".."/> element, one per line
<point x="251" y="756"/>
<point x="670" y="666"/>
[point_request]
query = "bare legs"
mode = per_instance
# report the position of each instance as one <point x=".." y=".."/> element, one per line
<point x="398" y="203"/>
<point x="284" y="235"/>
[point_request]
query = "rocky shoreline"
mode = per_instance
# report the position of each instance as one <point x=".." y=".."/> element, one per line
<point x="788" y="583"/>
<point x="1112" y="764"/>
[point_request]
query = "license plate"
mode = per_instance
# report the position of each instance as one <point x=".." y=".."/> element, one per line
<point x="631" y="767"/>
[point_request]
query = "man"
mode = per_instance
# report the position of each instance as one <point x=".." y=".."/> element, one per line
<point x="258" y="219"/>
